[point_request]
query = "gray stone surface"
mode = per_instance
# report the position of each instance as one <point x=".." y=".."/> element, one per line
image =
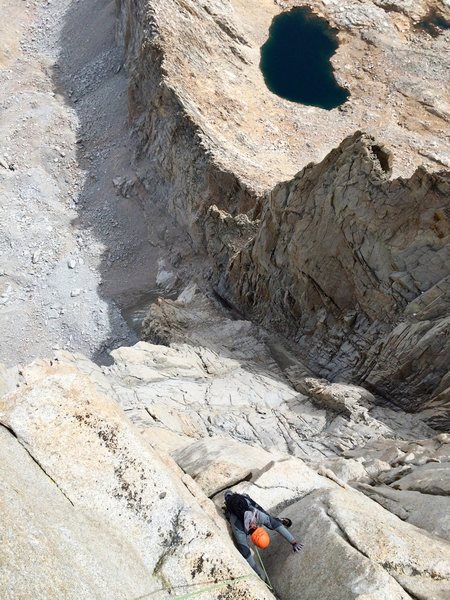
<point x="82" y="456"/>
<point x="432" y="478"/>
<point x="408" y="477"/>
<point x="338" y="261"/>
<point x="51" y="549"/>
<point x="219" y="463"/>
<point x="105" y="475"/>
<point x="356" y="549"/>
<point x="428" y="511"/>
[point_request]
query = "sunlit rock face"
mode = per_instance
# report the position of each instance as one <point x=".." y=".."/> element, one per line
<point x="341" y="256"/>
<point x="208" y="94"/>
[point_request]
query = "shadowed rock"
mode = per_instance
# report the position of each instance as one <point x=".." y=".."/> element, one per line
<point x="355" y="268"/>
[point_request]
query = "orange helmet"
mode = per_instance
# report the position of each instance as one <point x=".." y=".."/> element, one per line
<point x="260" y="537"/>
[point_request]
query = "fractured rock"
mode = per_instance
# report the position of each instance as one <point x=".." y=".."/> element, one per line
<point x="89" y="457"/>
<point x="218" y="463"/>
<point x="320" y="270"/>
<point x="353" y="548"/>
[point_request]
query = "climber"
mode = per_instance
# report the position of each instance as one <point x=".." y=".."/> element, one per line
<point x="246" y="518"/>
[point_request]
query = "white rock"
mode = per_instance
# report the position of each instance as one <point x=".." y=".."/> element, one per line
<point x="354" y="549"/>
<point x="97" y="495"/>
<point x="347" y="469"/>
<point x="218" y="463"/>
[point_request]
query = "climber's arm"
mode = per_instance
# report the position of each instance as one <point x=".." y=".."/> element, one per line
<point x="276" y="525"/>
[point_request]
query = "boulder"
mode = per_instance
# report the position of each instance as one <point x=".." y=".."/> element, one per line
<point x="219" y="463"/>
<point x="404" y="452"/>
<point x="432" y="478"/>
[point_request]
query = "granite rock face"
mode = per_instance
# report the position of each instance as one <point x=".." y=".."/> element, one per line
<point x="173" y="155"/>
<point x="334" y="274"/>
<point x="49" y="548"/>
<point x="89" y="510"/>
<point x="356" y="549"/>
<point x="120" y="504"/>
<point x="354" y="267"/>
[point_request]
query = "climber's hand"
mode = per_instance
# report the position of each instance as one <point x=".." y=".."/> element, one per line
<point x="297" y="547"/>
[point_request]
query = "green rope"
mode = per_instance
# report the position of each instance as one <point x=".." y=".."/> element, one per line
<point x="211" y="588"/>
<point x="269" y="585"/>
<point x="219" y="585"/>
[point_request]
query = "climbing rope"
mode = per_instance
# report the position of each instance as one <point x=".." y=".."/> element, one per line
<point x="226" y="582"/>
<point x="220" y="584"/>
<point x="269" y="584"/>
<point x="211" y="588"/>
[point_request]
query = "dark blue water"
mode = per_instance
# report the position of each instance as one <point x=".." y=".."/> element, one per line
<point x="295" y="60"/>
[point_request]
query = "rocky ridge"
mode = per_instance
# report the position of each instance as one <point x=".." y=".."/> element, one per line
<point x="212" y="91"/>
<point x="133" y="457"/>
<point x="355" y="268"/>
<point x="349" y="263"/>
